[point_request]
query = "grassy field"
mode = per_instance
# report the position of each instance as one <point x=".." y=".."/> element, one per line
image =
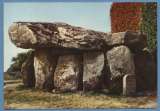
<point x="18" y="97"/>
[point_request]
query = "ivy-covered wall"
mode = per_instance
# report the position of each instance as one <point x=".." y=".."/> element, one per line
<point x="136" y="16"/>
<point x="125" y="16"/>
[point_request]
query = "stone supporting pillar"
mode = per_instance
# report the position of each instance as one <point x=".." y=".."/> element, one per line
<point x="44" y="66"/>
<point x="129" y="85"/>
<point x="93" y="64"/>
<point x="67" y="73"/>
<point x="27" y="71"/>
<point x="120" y="61"/>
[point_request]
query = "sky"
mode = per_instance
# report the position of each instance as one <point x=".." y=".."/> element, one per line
<point x="94" y="16"/>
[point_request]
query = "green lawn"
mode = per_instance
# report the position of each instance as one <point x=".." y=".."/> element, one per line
<point x="18" y="97"/>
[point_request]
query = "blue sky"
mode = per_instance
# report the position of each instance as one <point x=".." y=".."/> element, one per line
<point x="94" y="16"/>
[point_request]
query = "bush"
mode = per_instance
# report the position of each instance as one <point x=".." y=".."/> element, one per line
<point x="12" y="76"/>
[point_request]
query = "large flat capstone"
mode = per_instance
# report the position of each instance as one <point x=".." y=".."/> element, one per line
<point x="61" y="35"/>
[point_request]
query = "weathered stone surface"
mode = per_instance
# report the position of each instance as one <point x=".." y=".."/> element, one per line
<point x="93" y="64"/>
<point x="133" y="40"/>
<point x="51" y="40"/>
<point x="61" y="35"/>
<point x="44" y="65"/>
<point x="31" y="35"/>
<point x="27" y="71"/>
<point x="68" y="73"/>
<point x="145" y="69"/>
<point x="120" y="62"/>
<point x="129" y="85"/>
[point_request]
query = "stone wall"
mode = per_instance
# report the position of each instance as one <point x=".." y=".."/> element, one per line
<point x="69" y="58"/>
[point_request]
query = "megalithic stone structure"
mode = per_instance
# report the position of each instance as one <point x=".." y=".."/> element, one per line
<point x="66" y="57"/>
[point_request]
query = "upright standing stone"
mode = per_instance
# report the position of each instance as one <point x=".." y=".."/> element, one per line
<point x="67" y="73"/>
<point x="27" y="71"/>
<point x="121" y="62"/>
<point x="145" y="69"/>
<point x="129" y="85"/>
<point x="92" y="70"/>
<point x="44" y="65"/>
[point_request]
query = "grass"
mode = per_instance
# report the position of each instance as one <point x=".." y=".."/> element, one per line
<point x="12" y="81"/>
<point x="21" y="98"/>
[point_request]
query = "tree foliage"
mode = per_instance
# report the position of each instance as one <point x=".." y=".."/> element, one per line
<point x="18" y="61"/>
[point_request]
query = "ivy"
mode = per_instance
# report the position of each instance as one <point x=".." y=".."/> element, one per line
<point x="149" y="24"/>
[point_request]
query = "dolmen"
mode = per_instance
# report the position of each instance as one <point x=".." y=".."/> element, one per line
<point x="69" y="58"/>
